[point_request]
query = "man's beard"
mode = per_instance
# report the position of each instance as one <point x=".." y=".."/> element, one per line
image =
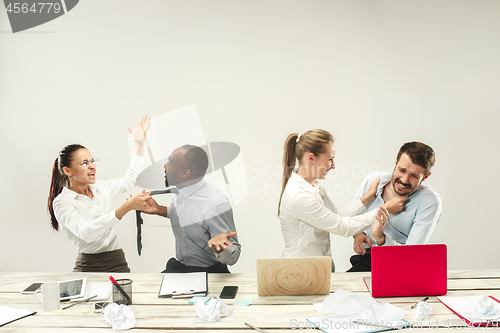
<point x="408" y="190"/>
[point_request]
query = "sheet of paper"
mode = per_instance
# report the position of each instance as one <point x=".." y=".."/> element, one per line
<point x="8" y="314"/>
<point x="465" y="306"/>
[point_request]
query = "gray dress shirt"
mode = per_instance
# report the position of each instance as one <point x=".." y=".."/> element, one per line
<point x="198" y="213"/>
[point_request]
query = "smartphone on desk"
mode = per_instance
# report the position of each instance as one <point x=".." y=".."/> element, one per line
<point x="31" y="289"/>
<point x="229" y="292"/>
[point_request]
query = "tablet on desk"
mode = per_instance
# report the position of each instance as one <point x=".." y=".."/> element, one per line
<point x="70" y="289"/>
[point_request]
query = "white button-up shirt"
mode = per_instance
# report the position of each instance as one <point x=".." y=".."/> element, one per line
<point x="308" y="216"/>
<point x="90" y="223"/>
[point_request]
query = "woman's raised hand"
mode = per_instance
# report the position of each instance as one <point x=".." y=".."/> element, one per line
<point x="379" y="224"/>
<point x="139" y="134"/>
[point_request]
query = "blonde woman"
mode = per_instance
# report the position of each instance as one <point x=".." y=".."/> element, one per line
<point x="307" y="215"/>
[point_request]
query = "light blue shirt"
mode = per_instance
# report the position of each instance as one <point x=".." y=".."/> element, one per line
<point x="415" y="223"/>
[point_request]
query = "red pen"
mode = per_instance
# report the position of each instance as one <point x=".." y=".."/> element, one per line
<point x="127" y="297"/>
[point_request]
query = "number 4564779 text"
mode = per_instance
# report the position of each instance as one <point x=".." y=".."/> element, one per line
<point x="40" y="7"/>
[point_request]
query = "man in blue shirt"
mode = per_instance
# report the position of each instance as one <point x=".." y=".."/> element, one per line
<point x="422" y="210"/>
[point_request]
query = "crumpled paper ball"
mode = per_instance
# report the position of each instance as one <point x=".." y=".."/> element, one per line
<point x="120" y="316"/>
<point x="486" y="306"/>
<point x="213" y="310"/>
<point x="423" y="310"/>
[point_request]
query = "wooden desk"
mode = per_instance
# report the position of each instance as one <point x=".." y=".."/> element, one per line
<point x="274" y="314"/>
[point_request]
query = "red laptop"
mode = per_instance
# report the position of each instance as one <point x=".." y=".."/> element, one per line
<point x="408" y="270"/>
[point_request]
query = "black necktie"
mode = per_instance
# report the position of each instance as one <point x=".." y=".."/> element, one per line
<point x="139" y="220"/>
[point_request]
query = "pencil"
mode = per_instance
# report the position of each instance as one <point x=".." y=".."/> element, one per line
<point x="120" y="289"/>
<point x="83" y="300"/>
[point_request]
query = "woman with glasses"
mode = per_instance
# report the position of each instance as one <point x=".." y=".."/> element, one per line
<point x="81" y="205"/>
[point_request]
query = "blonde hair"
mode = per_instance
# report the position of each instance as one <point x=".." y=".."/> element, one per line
<point x="313" y="141"/>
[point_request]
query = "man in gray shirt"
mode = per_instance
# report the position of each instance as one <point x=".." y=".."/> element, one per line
<point x="201" y="216"/>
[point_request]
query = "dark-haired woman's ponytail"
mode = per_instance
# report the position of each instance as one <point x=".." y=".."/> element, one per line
<point x="56" y="185"/>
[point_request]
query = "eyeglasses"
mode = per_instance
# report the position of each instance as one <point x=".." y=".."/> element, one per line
<point x="85" y="163"/>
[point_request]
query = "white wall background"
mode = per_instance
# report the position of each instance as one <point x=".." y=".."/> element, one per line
<point x="374" y="73"/>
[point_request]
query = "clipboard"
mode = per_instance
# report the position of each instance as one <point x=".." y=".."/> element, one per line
<point x="184" y="285"/>
<point x="8" y="314"/>
<point x="464" y="308"/>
